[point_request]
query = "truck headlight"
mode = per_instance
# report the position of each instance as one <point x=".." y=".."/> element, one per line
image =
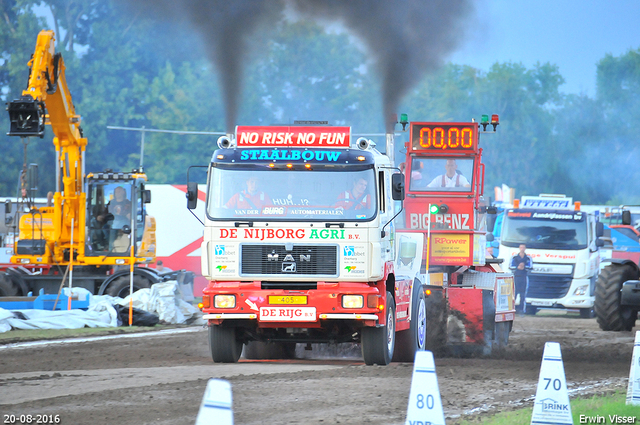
<point x="224" y="301"/>
<point x="581" y="290"/>
<point x="352" y="301"/>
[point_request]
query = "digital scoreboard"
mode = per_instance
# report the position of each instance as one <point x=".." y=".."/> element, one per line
<point x="443" y="137"/>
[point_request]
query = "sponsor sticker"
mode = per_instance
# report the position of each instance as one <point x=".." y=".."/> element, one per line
<point x="288" y="314"/>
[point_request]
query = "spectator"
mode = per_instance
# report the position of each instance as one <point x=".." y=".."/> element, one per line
<point x="521" y="263"/>
<point x="161" y="268"/>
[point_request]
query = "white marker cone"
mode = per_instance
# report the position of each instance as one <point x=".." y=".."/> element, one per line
<point x="552" y="398"/>
<point x="216" y="404"/>
<point x="425" y="404"/>
<point x="633" y="390"/>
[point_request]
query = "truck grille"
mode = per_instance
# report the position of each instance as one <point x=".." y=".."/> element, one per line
<point x="299" y="260"/>
<point x="548" y="286"/>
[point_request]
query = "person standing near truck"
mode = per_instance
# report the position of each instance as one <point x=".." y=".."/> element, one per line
<point x="521" y="263"/>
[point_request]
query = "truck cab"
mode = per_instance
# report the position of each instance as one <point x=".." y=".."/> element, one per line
<point x="299" y="241"/>
<point x="561" y="239"/>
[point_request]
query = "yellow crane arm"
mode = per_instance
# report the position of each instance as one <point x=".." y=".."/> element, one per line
<point x="47" y="100"/>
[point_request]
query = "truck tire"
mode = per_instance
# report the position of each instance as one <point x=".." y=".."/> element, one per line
<point x="258" y="350"/>
<point x="414" y="339"/>
<point x="7" y="287"/>
<point x="224" y="344"/>
<point x="378" y="343"/>
<point x="437" y="315"/>
<point x="501" y="337"/>
<point x="610" y="315"/>
<point x="120" y="286"/>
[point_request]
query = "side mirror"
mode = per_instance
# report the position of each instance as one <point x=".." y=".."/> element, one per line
<point x="7" y="206"/>
<point x="146" y="196"/>
<point x="626" y="217"/>
<point x="192" y="195"/>
<point x="490" y="237"/>
<point x="397" y="187"/>
<point x="599" y="243"/>
<point x="599" y="229"/>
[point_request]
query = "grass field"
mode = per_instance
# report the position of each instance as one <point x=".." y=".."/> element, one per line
<point x="600" y="409"/>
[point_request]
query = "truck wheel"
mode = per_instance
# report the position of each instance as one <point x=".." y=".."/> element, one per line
<point x="437" y="314"/>
<point x="610" y="315"/>
<point x="415" y="338"/>
<point x="501" y="337"/>
<point x="120" y="286"/>
<point x="7" y="288"/>
<point x="224" y="344"/>
<point x="378" y="343"/>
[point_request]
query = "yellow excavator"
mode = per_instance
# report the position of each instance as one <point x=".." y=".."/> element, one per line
<point x="95" y="220"/>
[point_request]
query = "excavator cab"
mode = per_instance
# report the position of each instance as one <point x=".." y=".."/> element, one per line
<point x="116" y="213"/>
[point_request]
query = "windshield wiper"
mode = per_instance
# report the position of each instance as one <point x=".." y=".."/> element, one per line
<point x="244" y="223"/>
<point x="340" y="225"/>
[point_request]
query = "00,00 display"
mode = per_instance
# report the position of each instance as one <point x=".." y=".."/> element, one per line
<point x="439" y="138"/>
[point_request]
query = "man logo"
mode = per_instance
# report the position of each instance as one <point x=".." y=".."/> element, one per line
<point x="219" y="250"/>
<point x="349" y="251"/>
<point x="289" y="267"/>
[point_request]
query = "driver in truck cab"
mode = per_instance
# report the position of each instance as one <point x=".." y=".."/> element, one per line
<point x="357" y="198"/>
<point x="250" y="198"/>
<point x="451" y="177"/>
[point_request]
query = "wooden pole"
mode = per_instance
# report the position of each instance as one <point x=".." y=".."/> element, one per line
<point x="70" y="267"/>
<point x="132" y="260"/>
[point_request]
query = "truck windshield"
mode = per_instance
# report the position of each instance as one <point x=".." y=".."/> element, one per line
<point x="338" y="194"/>
<point x="109" y="207"/>
<point x="441" y="174"/>
<point x="545" y="230"/>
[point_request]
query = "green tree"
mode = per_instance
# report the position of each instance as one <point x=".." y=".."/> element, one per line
<point x="617" y="155"/>
<point x="18" y="32"/>
<point x="309" y="74"/>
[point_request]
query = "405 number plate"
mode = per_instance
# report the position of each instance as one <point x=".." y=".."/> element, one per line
<point x="288" y="299"/>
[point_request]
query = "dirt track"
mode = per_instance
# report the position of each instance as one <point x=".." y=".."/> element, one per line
<point x="160" y="379"/>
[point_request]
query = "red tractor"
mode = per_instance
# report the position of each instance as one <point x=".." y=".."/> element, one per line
<point x="471" y="299"/>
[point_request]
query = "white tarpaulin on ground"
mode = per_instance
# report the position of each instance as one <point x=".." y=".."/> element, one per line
<point x="163" y="299"/>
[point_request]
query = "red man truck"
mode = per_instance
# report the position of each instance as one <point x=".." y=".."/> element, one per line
<point x="299" y="243"/>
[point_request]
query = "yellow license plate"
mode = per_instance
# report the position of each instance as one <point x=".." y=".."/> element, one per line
<point x="287" y="299"/>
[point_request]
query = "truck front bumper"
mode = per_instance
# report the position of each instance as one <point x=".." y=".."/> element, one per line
<point x="578" y="296"/>
<point x="294" y="308"/>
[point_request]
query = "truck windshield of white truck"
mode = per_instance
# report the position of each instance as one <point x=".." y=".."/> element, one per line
<point x="329" y="194"/>
<point x="545" y="229"/>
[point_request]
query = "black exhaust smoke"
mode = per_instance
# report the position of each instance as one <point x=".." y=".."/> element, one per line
<point x="406" y="38"/>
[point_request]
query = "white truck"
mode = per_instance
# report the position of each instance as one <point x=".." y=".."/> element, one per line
<point x="562" y="242"/>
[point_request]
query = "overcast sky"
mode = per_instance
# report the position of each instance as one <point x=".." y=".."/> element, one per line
<point x="573" y="34"/>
